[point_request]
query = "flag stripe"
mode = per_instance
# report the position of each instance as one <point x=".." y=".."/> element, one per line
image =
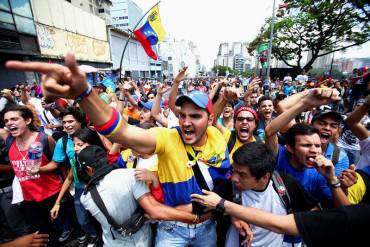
<point x="145" y="43"/>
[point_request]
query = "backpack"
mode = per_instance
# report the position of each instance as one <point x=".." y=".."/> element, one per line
<point x="232" y="140"/>
<point x="43" y="139"/>
<point x="335" y="156"/>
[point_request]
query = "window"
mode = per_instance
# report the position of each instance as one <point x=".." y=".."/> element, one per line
<point x="17" y="15"/>
<point x="21" y="7"/>
<point x="101" y="11"/>
<point x="25" y="25"/>
<point x="6" y="17"/>
<point x="4" y="5"/>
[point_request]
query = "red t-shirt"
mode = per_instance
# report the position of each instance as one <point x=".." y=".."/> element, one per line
<point x="36" y="187"/>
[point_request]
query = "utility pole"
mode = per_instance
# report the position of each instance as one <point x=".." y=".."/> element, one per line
<point x="270" y="41"/>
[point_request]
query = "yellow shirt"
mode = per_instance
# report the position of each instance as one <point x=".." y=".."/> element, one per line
<point x="174" y="172"/>
<point x="227" y="134"/>
<point x="357" y="191"/>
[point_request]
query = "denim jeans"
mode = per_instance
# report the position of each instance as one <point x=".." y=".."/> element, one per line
<point x="83" y="216"/>
<point x="173" y="233"/>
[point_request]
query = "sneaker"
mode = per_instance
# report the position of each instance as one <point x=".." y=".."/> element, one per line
<point x="64" y="236"/>
<point x="82" y="239"/>
<point x="92" y="241"/>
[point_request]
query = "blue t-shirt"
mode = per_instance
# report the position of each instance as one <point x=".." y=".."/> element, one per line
<point x="60" y="156"/>
<point x="310" y="179"/>
<point x="288" y="89"/>
<point x="343" y="161"/>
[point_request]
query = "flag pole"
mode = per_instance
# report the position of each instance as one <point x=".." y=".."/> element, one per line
<point x="129" y="37"/>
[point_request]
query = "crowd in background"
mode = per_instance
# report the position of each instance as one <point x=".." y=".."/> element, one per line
<point x="313" y="131"/>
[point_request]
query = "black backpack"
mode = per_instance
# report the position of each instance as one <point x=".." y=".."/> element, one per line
<point x="43" y="139"/>
<point x="335" y="156"/>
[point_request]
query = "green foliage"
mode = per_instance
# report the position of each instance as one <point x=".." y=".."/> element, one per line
<point x="222" y="70"/>
<point x="319" y="27"/>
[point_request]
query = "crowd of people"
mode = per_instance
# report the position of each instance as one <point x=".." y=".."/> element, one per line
<point x="190" y="162"/>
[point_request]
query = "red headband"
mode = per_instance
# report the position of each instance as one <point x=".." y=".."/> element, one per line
<point x="245" y="108"/>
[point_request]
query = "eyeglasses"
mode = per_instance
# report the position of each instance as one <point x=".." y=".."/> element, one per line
<point x="241" y="119"/>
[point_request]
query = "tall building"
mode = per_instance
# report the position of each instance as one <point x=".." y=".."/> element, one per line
<point x="99" y="8"/>
<point x="175" y="54"/>
<point x="125" y="14"/>
<point x="322" y="62"/>
<point x="234" y="55"/>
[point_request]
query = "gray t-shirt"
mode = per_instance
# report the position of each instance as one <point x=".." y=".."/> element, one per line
<point x="119" y="191"/>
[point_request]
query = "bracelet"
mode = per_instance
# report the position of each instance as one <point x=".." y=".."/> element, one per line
<point x="111" y="127"/>
<point x="84" y="94"/>
<point x="336" y="183"/>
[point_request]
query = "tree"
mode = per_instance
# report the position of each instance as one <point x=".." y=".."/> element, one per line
<point x="317" y="27"/>
<point x="221" y="70"/>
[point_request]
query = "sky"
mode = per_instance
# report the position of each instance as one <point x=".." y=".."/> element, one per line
<point x="207" y="23"/>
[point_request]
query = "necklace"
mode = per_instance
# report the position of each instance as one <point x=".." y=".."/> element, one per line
<point x="24" y="157"/>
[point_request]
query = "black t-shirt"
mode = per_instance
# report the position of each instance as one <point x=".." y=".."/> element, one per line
<point x="6" y="179"/>
<point x="300" y="199"/>
<point x="343" y="226"/>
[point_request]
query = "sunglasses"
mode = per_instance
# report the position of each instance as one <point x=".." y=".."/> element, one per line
<point x="241" y="119"/>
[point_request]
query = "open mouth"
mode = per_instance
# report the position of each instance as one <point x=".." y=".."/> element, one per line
<point x="13" y="128"/>
<point x="188" y="133"/>
<point x="244" y="132"/>
<point x="310" y="161"/>
<point x="325" y="136"/>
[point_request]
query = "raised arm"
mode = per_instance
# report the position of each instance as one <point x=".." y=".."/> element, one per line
<point x="70" y="82"/>
<point x="173" y="93"/>
<point x="314" y="98"/>
<point x="353" y="121"/>
<point x="156" y="109"/>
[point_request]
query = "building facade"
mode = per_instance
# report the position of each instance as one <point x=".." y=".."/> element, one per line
<point x="234" y="55"/>
<point x="125" y="14"/>
<point x="18" y="39"/>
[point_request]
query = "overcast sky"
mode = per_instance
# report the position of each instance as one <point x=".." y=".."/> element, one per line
<point x="210" y="22"/>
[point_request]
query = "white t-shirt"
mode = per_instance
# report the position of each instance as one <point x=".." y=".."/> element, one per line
<point x="173" y="121"/>
<point x="119" y="191"/>
<point x="365" y="154"/>
<point x="268" y="201"/>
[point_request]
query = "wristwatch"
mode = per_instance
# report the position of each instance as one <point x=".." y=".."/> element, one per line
<point x="220" y="207"/>
<point x="334" y="184"/>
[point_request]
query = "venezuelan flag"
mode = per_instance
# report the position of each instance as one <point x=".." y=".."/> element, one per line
<point x="151" y="33"/>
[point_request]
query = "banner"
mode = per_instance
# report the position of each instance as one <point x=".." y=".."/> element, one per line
<point x="262" y="51"/>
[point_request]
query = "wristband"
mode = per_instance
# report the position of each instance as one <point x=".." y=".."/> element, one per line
<point x="112" y="126"/>
<point x="84" y="94"/>
<point x="335" y="184"/>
